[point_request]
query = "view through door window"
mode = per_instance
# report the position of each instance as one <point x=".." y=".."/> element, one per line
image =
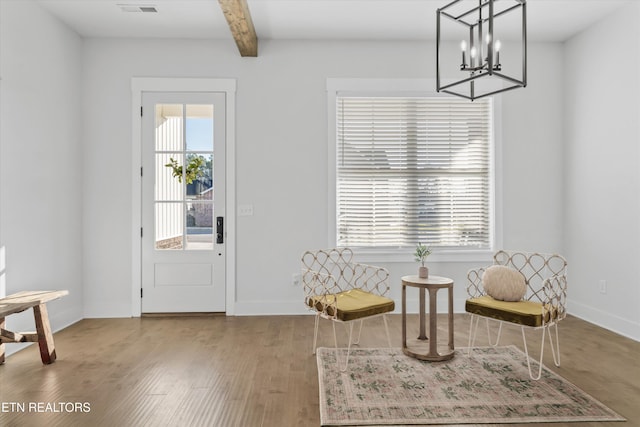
<point x="184" y="177"/>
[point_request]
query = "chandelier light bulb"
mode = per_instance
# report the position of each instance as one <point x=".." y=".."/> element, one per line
<point x="463" y="47"/>
<point x="473" y="52"/>
<point x="498" y="45"/>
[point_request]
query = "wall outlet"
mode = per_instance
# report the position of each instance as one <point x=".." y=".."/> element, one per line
<point x="296" y="279"/>
<point x="602" y="285"/>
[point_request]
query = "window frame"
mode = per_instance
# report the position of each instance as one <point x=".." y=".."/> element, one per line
<point x="412" y="87"/>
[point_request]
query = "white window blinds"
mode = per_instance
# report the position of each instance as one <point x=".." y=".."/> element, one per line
<point x="413" y="169"/>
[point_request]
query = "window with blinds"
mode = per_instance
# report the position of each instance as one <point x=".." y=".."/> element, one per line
<point x="413" y="169"/>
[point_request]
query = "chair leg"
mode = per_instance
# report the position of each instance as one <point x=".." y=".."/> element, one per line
<point x="349" y="330"/>
<point x="386" y="328"/>
<point x="473" y="331"/>
<point x="489" y="334"/>
<point x="335" y="338"/>
<point x="539" y="361"/>
<point x="555" y="350"/>
<point x="346" y="362"/>
<point x="357" y="342"/>
<point x="315" y="333"/>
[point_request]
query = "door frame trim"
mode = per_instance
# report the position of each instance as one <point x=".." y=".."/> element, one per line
<point x="161" y="84"/>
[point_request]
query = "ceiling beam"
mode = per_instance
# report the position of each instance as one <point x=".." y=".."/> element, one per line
<point x="239" y="19"/>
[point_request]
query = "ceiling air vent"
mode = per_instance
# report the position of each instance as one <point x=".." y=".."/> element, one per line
<point x="137" y="8"/>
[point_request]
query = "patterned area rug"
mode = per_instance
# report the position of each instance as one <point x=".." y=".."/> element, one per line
<point x="385" y="387"/>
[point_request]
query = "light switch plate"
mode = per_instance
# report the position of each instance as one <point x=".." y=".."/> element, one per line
<point x="245" y="210"/>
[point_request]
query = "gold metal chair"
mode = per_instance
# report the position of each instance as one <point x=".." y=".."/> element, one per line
<point x="343" y="291"/>
<point x="542" y="307"/>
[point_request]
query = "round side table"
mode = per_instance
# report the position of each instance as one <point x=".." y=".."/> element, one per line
<point x="426" y="348"/>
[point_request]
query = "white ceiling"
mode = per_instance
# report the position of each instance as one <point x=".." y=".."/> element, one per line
<point x="548" y="20"/>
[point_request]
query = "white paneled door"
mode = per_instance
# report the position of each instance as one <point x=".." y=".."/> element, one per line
<point x="183" y="202"/>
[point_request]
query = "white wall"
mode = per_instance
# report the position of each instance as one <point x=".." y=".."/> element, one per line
<point x="40" y="163"/>
<point x="282" y="156"/>
<point x="67" y="223"/>
<point x="602" y="226"/>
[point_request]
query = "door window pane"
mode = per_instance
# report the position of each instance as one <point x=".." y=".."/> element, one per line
<point x="169" y="225"/>
<point x="200" y="182"/>
<point x="199" y="132"/>
<point x="184" y="176"/>
<point x="169" y="127"/>
<point x="169" y="176"/>
<point x="200" y="225"/>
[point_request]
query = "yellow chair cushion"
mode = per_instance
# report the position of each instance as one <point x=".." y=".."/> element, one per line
<point x="353" y="304"/>
<point x="527" y="313"/>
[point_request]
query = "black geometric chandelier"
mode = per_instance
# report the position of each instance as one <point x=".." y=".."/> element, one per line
<point x="478" y="24"/>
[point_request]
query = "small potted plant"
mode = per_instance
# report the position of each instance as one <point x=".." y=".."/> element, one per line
<point x="421" y="254"/>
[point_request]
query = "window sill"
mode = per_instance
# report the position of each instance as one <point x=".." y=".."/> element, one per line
<point x="369" y="256"/>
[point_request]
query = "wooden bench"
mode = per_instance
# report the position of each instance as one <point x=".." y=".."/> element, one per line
<point x="20" y="302"/>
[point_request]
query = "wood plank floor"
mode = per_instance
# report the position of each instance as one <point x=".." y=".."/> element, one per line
<point x="246" y="371"/>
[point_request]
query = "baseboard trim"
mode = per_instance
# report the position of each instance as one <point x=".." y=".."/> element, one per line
<point x="190" y="314"/>
<point x="605" y="320"/>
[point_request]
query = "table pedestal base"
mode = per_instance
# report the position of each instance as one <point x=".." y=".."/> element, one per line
<point x="424" y="348"/>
